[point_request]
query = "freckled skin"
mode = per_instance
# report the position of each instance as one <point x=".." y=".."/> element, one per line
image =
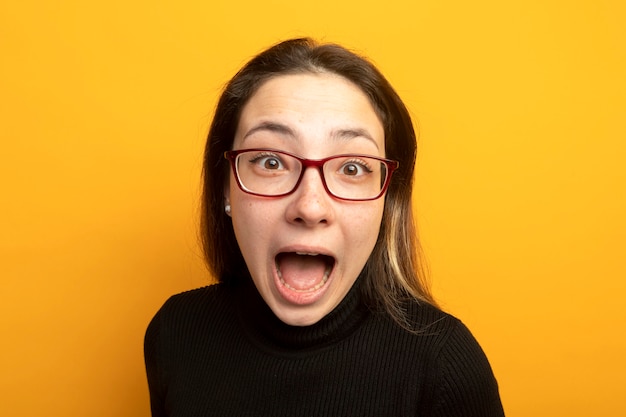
<point x="313" y="107"/>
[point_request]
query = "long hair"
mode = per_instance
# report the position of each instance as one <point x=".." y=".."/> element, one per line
<point x="393" y="272"/>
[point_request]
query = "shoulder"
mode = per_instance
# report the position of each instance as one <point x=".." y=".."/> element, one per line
<point x="174" y="332"/>
<point x="443" y="328"/>
<point x="435" y="337"/>
<point x="460" y="375"/>
<point x="455" y="345"/>
<point x="428" y="321"/>
<point x="209" y="297"/>
<point x="190" y="309"/>
<point x="198" y="294"/>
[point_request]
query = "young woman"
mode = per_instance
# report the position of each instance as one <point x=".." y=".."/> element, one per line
<point x="320" y="309"/>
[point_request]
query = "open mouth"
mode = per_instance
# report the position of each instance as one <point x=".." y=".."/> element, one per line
<point x="303" y="272"/>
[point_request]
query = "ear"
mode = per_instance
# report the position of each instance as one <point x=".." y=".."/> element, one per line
<point x="227" y="191"/>
<point x="227" y="199"/>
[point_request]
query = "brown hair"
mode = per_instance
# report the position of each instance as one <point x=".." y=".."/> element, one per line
<point x="393" y="272"/>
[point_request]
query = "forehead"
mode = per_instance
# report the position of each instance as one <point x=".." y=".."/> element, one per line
<point x="309" y="105"/>
<point x="314" y="88"/>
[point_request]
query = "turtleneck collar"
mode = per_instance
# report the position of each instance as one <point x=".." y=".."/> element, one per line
<point x="269" y="332"/>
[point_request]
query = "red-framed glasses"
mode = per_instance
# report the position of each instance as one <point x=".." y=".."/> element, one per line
<point x="273" y="173"/>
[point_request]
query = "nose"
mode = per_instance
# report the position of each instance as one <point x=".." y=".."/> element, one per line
<point x="310" y="204"/>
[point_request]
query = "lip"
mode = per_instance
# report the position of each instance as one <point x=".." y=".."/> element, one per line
<point x="297" y="297"/>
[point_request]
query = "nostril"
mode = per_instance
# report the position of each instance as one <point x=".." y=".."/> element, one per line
<point x="302" y="221"/>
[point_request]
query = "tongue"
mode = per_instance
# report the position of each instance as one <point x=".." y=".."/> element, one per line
<point x="301" y="272"/>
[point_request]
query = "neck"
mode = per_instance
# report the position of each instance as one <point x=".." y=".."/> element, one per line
<point x="264" y="327"/>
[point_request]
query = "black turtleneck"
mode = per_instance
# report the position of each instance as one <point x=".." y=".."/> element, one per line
<point x="220" y="351"/>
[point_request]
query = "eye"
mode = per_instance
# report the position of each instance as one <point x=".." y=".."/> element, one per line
<point x="355" y="168"/>
<point x="268" y="161"/>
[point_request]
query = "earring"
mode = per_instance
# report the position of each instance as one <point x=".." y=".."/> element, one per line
<point x="227" y="209"/>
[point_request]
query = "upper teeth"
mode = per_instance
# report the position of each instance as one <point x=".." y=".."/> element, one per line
<point x="307" y="253"/>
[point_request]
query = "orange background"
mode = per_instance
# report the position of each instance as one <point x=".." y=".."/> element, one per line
<point x="520" y="190"/>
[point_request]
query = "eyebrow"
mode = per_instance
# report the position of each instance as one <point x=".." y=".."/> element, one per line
<point x="347" y="134"/>
<point x="271" y="127"/>
<point x="341" y="134"/>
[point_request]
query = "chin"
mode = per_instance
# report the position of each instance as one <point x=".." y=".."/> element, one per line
<point x="298" y="317"/>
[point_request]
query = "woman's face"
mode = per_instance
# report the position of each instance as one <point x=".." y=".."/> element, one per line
<point x="305" y="250"/>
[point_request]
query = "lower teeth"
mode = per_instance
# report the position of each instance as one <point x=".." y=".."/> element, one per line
<point x="315" y="288"/>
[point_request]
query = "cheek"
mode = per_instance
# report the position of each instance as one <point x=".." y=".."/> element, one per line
<point x="364" y="224"/>
<point x="375" y="228"/>
<point x="253" y="221"/>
